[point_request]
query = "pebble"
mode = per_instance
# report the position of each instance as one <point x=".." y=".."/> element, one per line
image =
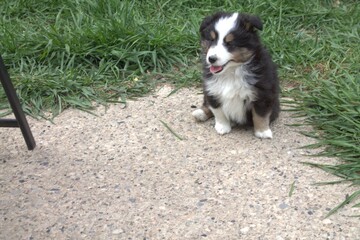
<point x="327" y="221"/>
<point x="244" y="230"/>
<point x="283" y="206"/>
<point x="117" y="231"/>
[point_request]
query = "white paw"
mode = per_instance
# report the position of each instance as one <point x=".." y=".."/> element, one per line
<point x="200" y="115"/>
<point x="264" y="134"/>
<point x="222" y="128"/>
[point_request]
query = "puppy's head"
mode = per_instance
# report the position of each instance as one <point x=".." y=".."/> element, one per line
<point x="229" y="39"/>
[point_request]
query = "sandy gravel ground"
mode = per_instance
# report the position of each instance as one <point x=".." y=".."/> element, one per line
<point x="124" y="175"/>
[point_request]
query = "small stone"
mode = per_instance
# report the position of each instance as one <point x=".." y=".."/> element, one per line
<point x="244" y="230"/>
<point x="327" y="221"/>
<point x="55" y="190"/>
<point x="201" y="202"/>
<point x="283" y="206"/>
<point x="117" y="231"/>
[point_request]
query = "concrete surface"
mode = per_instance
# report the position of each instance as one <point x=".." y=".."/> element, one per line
<point x="124" y="175"/>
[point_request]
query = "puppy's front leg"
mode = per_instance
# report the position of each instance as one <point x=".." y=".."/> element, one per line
<point x="222" y="123"/>
<point x="261" y="125"/>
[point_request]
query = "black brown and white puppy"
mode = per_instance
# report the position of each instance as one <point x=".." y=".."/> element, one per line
<point x="240" y="80"/>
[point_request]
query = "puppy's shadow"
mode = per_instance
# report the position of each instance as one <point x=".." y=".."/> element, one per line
<point x="242" y="127"/>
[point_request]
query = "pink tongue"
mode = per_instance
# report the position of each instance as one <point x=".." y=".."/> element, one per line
<point x="215" y="69"/>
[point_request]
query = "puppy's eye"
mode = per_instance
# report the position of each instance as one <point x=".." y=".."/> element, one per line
<point x="229" y="39"/>
<point x="231" y="43"/>
<point x="212" y="35"/>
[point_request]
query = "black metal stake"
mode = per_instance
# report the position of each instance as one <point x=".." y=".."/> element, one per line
<point x="20" y="120"/>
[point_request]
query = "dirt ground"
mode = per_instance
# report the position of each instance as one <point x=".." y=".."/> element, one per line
<point x="124" y="175"/>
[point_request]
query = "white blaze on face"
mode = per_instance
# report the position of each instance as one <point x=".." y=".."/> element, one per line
<point x="223" y="27"/>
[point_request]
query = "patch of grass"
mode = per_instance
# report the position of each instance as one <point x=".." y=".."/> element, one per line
<point x="74" y="53"/>
<point x="328" y="95"/>
<point x="71" y="53"/>
<point x="333" y="109"/>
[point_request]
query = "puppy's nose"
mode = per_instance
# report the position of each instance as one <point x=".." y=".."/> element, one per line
<point x="212" y="59"/>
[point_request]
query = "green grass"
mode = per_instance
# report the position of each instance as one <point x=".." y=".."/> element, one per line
<point x="71" y="53"/>
<point x="332" y="107"/>
<point x="77" y="53"/>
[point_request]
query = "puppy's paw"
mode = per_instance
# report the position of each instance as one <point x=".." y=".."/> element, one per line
<point x="200" y="115"/>
<point x="265" y="134"/>
<point x="222" y="128"/>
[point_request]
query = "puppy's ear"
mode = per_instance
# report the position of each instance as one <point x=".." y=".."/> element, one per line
<point x="208" y="21"/>
<point x="250" y="22"/>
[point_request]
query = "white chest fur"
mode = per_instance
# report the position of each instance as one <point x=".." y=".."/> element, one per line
<point x="233" y="92"/>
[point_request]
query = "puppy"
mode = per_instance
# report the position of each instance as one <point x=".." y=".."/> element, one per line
<point x="240" y="80"/>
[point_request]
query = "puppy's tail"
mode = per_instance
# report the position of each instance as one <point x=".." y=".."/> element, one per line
<point x="202" y="114"/>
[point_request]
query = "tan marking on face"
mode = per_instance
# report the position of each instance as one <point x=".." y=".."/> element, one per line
<point x="212" y="35"/>
<point x="261" y="124"/>
<point x="242" y="55"/>
<point x="229" y="37"/>
<point x="205" y="45"/>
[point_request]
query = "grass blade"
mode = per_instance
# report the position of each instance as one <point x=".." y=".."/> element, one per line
<point x="346" y="201"/>
<point x="172" y="131"/>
